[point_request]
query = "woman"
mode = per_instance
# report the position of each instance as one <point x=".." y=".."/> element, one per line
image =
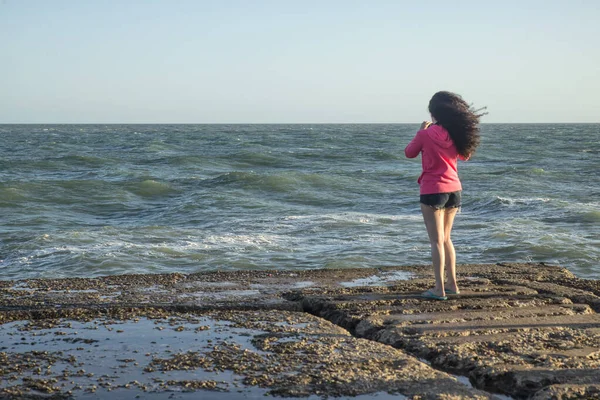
<point x="453" y="134"/>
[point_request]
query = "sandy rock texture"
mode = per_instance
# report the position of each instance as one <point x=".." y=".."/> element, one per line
<point x="519" y="330"/>
<point x="522" y="330"/>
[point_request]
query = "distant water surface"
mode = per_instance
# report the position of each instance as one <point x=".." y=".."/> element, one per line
<point x="89" y="200"/>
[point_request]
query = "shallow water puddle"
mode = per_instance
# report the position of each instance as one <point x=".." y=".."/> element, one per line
<point x="105" y="355"/>
<point x="222" y="295"/>
<point x="303" y="284"/>
<point x="180" y="356"/>
<point x="465" y="381"/>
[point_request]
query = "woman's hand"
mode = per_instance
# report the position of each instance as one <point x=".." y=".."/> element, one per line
<point x="425" y="125"/>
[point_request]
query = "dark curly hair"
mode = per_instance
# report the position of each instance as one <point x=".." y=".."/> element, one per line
<point x="460" y="120"/>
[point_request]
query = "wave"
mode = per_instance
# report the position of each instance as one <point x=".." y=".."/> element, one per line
<point x="118" y="251"/>
<point x="590" y="216"/>
<point x="494" y="204"/>
<point x="158" y="146"/>
<point x="83" y="159"/>
<point x="301" y="188"/>
<point x="543" y="209"/>
<point x="252" y="180"/>
<point x="384" y="155"/>
<point x="575" y="217"/>
<point x="93" y="192"/>
<point x="258" y="159"/>
<point x="282" y="182"/>
<point x="151" y="188"/>
<point x="522" y="201"/>
<point x="42" y="164"/>
<point x="10" y="196"/>
<point x="61" y="192"/>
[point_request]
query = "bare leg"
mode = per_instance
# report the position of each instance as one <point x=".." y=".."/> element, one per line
<point x="434" y="222"/>
<point x="450" y="255"/>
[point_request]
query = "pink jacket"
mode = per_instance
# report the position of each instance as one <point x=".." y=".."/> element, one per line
<point x="439" y="155"/>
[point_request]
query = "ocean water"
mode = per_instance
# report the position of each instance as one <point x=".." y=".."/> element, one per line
<point x="90" y="200"/>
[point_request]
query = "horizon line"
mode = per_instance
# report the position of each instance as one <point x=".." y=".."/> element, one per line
<point x="277" y="123"/>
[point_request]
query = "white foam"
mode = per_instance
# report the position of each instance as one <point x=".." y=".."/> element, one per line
<point x="350" y="217"/>
<point x="227" y="240"/>
<point x="379" y="280"/>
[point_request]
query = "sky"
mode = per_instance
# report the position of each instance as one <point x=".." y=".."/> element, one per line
<point x="296" y="61"/>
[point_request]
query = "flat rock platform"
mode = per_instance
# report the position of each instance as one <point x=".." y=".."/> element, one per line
<point x="522" y="331"/>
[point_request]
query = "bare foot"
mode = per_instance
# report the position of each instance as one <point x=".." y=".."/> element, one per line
<point x="452" y="289"/>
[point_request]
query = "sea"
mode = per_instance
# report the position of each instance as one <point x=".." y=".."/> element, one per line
<point x="93" y="200"/>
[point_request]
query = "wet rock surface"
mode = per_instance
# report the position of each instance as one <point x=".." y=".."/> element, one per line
<point x="522" y="330"/>
<point x="248" y="354"/>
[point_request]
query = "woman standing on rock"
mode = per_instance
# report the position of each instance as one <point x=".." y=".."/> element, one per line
<point x="453" y="134"/>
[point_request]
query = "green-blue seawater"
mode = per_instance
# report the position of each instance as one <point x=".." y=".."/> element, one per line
<point x="90" y="200"/>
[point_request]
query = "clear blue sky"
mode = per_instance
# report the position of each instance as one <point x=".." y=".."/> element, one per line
<point x="237" y="61"/>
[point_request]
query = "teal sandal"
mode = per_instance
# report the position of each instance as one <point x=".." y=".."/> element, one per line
<point x="430" y="295"/>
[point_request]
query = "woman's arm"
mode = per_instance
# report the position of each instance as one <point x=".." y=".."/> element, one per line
<point x="416" y="145"/>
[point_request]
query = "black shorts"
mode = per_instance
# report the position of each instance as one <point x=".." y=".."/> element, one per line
<point x="440" y="201"/>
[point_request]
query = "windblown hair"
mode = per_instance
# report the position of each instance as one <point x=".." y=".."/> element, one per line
<point x="459" y="118"/>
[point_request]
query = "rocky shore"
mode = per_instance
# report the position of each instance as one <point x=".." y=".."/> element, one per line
<point x="523" y="331"/>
